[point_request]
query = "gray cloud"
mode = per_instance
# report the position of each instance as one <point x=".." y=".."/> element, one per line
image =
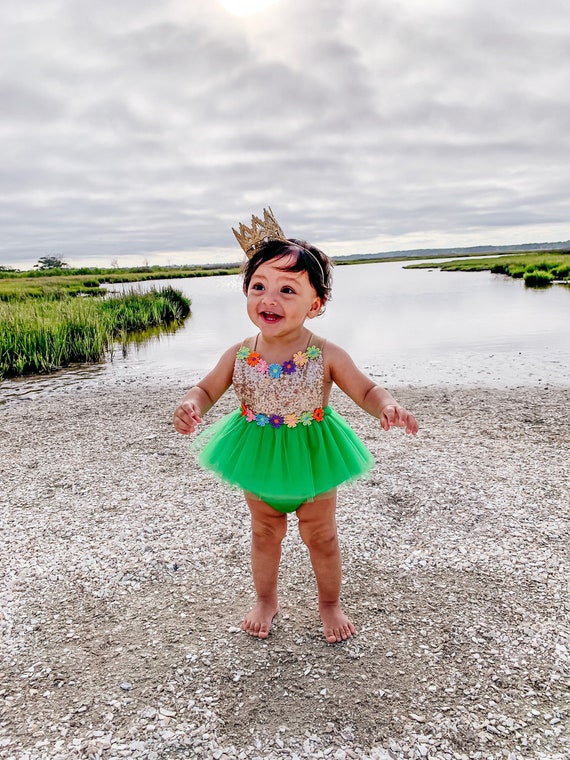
<point x="147" y="130"/>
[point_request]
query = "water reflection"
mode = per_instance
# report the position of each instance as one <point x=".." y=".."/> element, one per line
<point x="139" y="340"/>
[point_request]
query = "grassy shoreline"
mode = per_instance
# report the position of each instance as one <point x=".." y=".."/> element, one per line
<point x="55" y="284"/>
<point x="537" y="269"/>
<point x="41" y="335"/>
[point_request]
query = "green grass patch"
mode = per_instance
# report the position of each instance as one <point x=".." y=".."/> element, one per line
<point x="40" y="335"/>
<point x="537" y="278"/>
<point x="60" y="283"/>
<point x="47" y="288"/>
<point x="538" y="269"/>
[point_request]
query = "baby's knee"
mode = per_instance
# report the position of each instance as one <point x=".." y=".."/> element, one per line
<point x="322" y="540"/>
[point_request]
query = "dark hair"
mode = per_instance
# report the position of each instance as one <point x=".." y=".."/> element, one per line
<point x="307" y="257"/>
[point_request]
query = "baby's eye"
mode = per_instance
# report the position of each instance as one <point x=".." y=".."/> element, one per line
<point x="257" y="286"/>
<point x="287" y="289"/>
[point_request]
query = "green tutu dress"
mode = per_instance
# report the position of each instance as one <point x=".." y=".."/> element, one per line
<point x="282" y="445"/>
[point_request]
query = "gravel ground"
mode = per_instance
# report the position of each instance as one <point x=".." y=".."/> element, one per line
<point x="124" y="574"/>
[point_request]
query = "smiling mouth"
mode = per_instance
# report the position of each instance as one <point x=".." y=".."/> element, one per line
<point x="270" y="316"/>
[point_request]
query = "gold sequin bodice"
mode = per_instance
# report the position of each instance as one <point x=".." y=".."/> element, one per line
<point x="287" y="389"/>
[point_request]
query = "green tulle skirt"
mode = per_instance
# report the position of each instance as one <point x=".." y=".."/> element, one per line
<point x="284" y="467"/>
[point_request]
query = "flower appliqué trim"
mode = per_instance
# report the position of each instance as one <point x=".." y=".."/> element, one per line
<point x="275" y="371"/>
<point x="289" y="420"/>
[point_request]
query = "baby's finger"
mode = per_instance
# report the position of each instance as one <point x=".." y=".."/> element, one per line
<point x="194" y="418"/>
<point x="388" y="417"/>
<point x="186" y="420"/>
<point x="411" y="424"/>
<point x="399" y="417"/>
<point x="193" y="422"/>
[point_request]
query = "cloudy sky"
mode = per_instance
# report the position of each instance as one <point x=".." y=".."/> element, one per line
<point x="139" y="131"/>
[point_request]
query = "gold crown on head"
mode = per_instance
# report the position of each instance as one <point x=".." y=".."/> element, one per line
<point x="251" y="238"/>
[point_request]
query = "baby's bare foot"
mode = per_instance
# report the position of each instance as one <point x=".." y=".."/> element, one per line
<point x="258" y="621"/>
<point x="336" y="626"/>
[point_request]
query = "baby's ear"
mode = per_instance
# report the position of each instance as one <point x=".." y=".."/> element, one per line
<point x="317" y="307"/>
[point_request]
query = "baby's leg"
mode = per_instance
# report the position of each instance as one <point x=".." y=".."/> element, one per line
<point x="317" y="526"/>
<point x="268" y="528"/>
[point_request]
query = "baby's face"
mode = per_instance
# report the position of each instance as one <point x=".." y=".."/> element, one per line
<point x="279" y="301"/>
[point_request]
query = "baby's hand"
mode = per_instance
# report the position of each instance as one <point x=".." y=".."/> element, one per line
<point x="186" y="417"/>
<point x="394" y="415"/>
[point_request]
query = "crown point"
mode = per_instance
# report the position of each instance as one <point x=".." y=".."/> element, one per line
<point x="251" y="238"/>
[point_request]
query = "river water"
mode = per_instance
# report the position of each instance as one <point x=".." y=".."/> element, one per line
<point x="403" y="326"/>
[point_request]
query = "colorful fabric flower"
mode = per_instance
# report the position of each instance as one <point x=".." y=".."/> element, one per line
<point x="277" y="420"/>
<point x="313" y="352"/>
<point x="289" y="367"/>
<point x="276" y="371"/>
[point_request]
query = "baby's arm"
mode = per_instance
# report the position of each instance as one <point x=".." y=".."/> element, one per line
<point x="204" y="394"/>
<point x="362" y="390"/>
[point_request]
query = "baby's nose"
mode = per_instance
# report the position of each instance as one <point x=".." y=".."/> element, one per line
<point x="270" y="296"/>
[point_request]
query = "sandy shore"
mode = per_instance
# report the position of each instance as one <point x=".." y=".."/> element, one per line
<point x="124" y="576"/>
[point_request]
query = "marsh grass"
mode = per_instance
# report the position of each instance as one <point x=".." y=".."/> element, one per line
<point x="52" y="289"/>
<point x="41" y="335"/>
<point x="537" y="278"/>
<point x="537" y="269"/>
<point x="57" y="283"/>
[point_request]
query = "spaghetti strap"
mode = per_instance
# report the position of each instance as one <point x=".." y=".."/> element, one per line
<point x="314" y="340"/>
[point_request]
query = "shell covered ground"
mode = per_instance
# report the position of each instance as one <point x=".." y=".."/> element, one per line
<point x="124" y="575"/>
